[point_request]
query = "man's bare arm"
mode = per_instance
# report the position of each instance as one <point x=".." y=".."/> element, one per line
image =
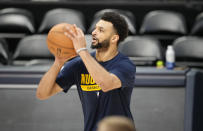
<point x="47" y="86"/>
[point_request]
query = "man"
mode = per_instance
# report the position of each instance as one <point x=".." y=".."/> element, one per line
<point x="116" y="123"/>
<point x="104" y="79"/>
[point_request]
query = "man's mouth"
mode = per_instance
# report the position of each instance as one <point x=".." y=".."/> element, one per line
<point x="94" y="40"/>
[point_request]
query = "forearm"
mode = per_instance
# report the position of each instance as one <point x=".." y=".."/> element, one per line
<point x="47" y="82"/>
<point x="99" y="74"/>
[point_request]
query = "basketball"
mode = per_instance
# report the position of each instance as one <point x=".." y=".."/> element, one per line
<point x="59" y="44"/>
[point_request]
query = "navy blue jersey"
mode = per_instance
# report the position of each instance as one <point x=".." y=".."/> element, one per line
<point x="97" y="104"/>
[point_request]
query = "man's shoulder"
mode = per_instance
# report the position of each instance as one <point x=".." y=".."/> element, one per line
<point x="125" y="60"/>
<point x="74" y="61"/>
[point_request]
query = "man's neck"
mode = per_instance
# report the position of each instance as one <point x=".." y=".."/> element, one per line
<point x="103" y="55"/>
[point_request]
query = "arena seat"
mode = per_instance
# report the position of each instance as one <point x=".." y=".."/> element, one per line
<point x="197" y="28"/>
<point x="16" y="20"/>
<point x="189" y="51"/>
<point x="61" y="15"/>
<point x="163" y="22"/>
<point x="142" y="50"/>
<point x="129" y="17"/>
<point x="32" y="50"/>
<point x="4" y="57"/>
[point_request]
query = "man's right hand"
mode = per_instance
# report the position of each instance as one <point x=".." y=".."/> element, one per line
<point x="60" y="61"/>
<point x="48" y="86"/>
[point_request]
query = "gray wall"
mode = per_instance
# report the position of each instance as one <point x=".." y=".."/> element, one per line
<point x="159" y="109"/>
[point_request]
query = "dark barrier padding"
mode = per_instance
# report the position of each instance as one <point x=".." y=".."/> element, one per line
<point x="158" y="108"/>
<point x="194" y="105"/>
<point x="145" y="76"/>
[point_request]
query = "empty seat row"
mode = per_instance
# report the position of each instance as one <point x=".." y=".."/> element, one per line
<point x="127" y="15"/>
<point x="30" y="50"/>
<point x="14" y="20"/>
<point x="189" y="51"/>
<point x="143" y="50"/>
<point x="4" y="55"/>
<point x="147" y="50"/>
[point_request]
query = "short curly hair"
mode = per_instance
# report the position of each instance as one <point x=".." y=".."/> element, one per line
<point x="118" y="22"/>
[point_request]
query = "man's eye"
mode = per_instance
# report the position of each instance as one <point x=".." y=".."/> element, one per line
<point x="101" y="30"/>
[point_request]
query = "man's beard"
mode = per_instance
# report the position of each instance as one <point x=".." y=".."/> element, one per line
<point x="99" y="45"/>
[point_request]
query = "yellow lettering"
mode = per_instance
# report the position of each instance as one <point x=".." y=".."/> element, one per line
<point x="88" y="84"/>
<point x="90" y="87"/>
<point x="82" y="79"/>
<point x="92" y="81"/>
<point x="87" y="76"/>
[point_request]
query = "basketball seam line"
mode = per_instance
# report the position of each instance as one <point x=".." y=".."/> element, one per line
<point x="58" y="45"/>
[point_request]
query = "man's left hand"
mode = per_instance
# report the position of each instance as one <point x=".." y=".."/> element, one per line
<point x="77" y="37"/>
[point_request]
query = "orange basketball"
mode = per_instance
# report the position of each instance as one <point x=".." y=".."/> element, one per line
<point x="58" y="43"/>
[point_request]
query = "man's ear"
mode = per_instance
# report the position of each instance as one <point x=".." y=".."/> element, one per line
<point x="115" y="38"/>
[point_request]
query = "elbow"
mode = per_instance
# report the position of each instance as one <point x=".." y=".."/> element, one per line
<point x="111" y="83"/>
<point x="105" y="87"/>
<point x="105" y="90"/>
<point x="40" y="96"/>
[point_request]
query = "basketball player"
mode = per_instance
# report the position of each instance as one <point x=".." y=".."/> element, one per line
<point x="104" y="78"/>
<point x="116" y="123"/>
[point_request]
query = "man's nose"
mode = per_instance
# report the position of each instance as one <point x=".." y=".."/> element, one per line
<point x="94" y="32"/>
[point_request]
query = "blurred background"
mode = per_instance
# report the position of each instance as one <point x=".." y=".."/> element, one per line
<point x="164" y="98"/>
